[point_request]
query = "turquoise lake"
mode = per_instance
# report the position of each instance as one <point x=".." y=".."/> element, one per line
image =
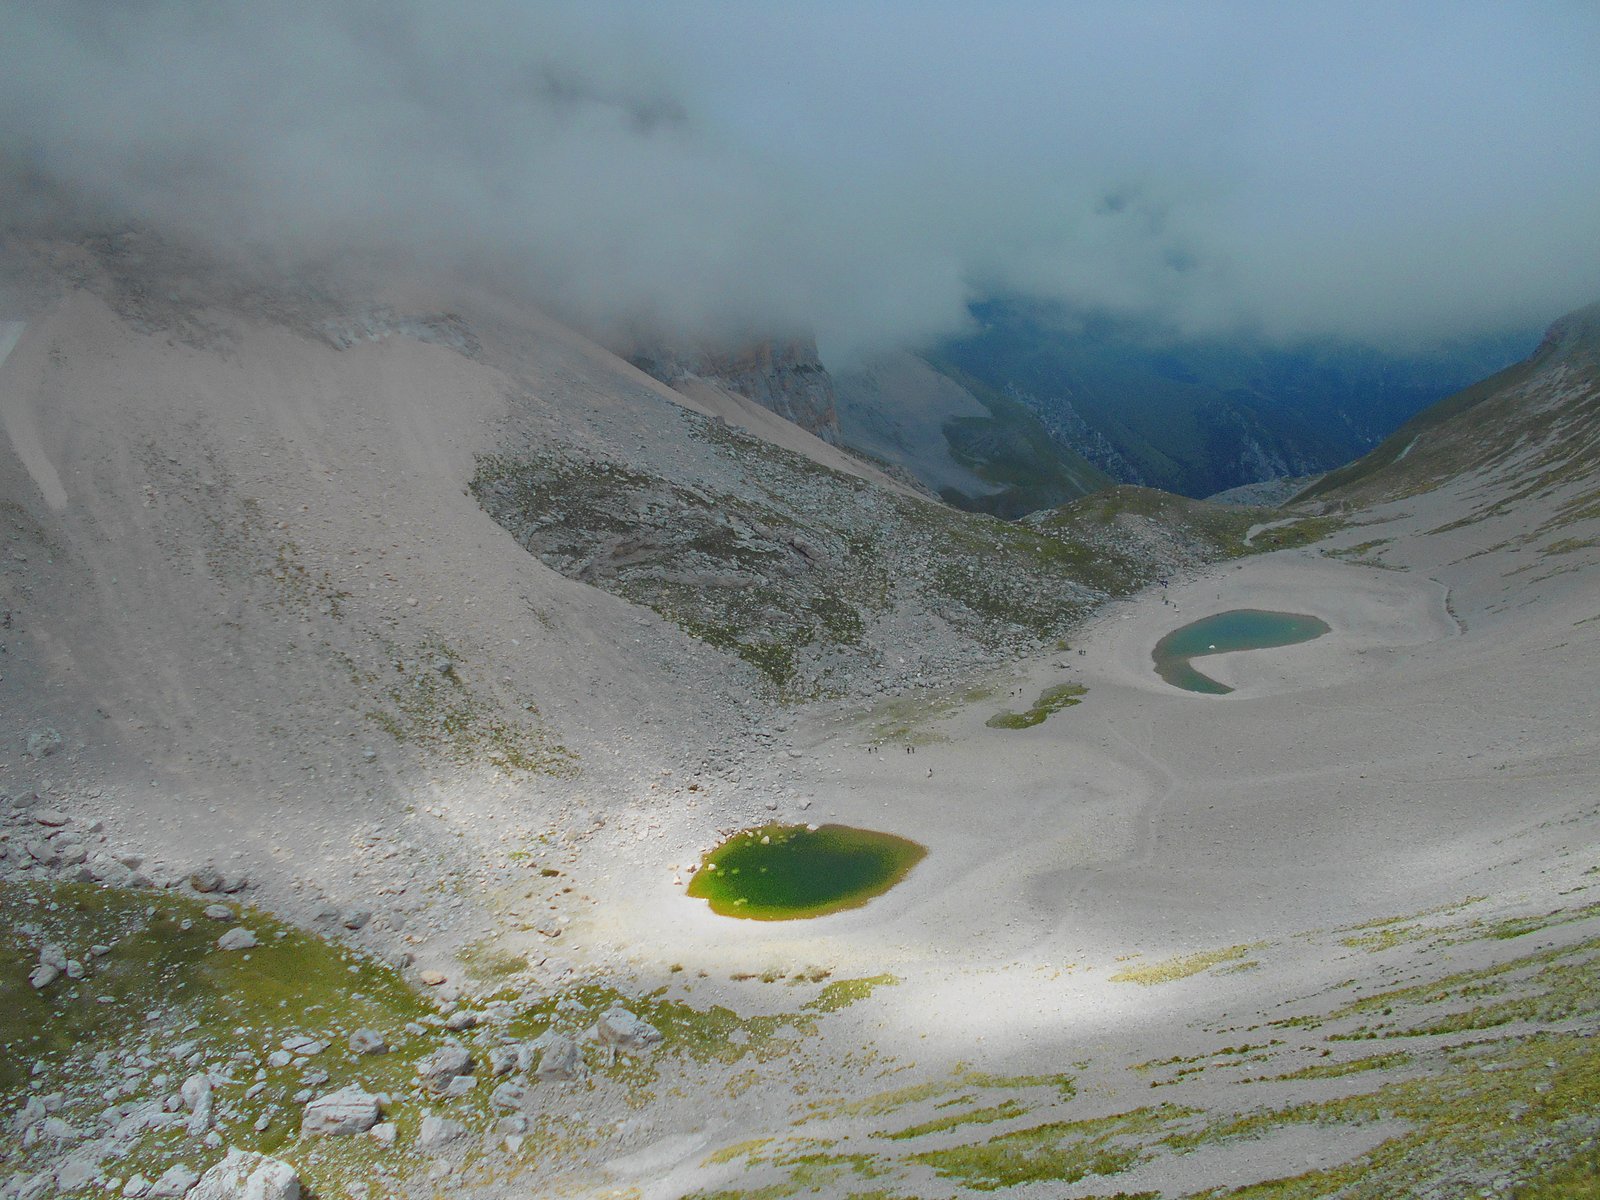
<point x="1223" y="633"/>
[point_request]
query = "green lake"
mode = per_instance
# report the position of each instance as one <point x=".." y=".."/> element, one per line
<point x="1223" y="633"/>
<point x="783" y="872"/>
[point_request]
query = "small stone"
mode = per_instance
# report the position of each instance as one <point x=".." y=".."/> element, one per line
<point x="50" y="817"/>
<point x="300" y="1044"/>
<point x="43" y="976"/>
<point x="279" y="1058"/>
<point x="206" y="879"/>
<point x="502" y="1060"/>
<point x="136" y="1186"/>
<point x="460" y="1086"/>
<point x="356" y="918"/>
<point x="237" y="938"/>
<point x="384" y="1133"/>
<point x="459" y="1021"/>
<point x="432" y="978"/>
<point x="219" y="912"/>
<point x="43" y="742"/>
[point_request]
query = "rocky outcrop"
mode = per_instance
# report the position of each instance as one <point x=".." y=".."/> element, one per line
<point x="783" y="375"/>
<point x="246" y="1176"/>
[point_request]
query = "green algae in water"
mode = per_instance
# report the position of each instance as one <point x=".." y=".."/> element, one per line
<point x="1223" y="633"/>
<point x="783" y="872"/>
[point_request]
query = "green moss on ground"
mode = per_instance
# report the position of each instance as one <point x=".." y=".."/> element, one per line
<point x="1181" y="967"/>
<point x="1052" y="700"/>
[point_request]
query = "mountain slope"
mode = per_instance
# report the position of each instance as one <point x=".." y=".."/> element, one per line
<point x="1532" y="427"/>
<point x="979" y="450"/>
<point x="1202" y="416"/>
<point x="455" y="639"/>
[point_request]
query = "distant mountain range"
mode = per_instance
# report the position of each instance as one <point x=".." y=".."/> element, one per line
<point x="1198" y="417"/>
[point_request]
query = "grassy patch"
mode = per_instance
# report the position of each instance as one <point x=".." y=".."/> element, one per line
<point x="1059" y="1152"/>
<point x="844" y="992"/>
<point x="1004" y="1111"/>
<point x="1181" y="967"/>
<point x="163" y="1001"/>
<point x="438" y="710"/>
<point x="1051" y="700"/>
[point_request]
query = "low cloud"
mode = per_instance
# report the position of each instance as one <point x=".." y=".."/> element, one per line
<point x="1395" y="174"/>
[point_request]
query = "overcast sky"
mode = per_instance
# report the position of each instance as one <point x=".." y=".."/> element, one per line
<point x="1382" y="171"/>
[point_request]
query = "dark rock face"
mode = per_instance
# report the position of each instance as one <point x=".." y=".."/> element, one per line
<point x="783" y="375"/>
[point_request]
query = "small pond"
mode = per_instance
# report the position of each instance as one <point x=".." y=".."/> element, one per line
<point x="1223" y="633"/>
<point x="783" y="872"/>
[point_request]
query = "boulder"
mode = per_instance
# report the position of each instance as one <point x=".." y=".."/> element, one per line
<point x="444" y="1065"/>
<point x="502" y="1059"/>
<point x="620" y="1028"/>
<point x="368" y="1041"/>
<point x="242" y="1175"/>
<point x="237" y="938"/>
<point x="439" y="1133"/>
<point x="349" y="1110"/>
<point x="206" y="880"/>
<point x="561" y="1059"/>
<point x="508" y="1095"/>
<point x="176" y="1180"/>
<point x="195" y="1089"/>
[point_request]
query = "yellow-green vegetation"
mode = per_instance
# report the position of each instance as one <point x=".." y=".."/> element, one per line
<point x="162" y="991"/>
<point x="436" y="709"/>
<point x="1302" y="532"/>
<point x="1181" y="967"/>
<point x="487" y="963"/>
<point x="1353" y="1066"/>
<point x="844" y="992"/>
<point x="1576" y="1179"/>
<point x="738" y="1150"/>
<point x="1051" y="700"/>
<point x="912" y="720"/>
<point x="1004" y="1111"/>
<point x="1386" y="936"/>
<point x="1058" y="1152"/>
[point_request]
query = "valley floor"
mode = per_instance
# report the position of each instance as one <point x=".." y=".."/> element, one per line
<point x="1156" y="876"/>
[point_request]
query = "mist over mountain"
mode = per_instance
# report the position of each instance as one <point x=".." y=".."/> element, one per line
<point x="860" y="173"/>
